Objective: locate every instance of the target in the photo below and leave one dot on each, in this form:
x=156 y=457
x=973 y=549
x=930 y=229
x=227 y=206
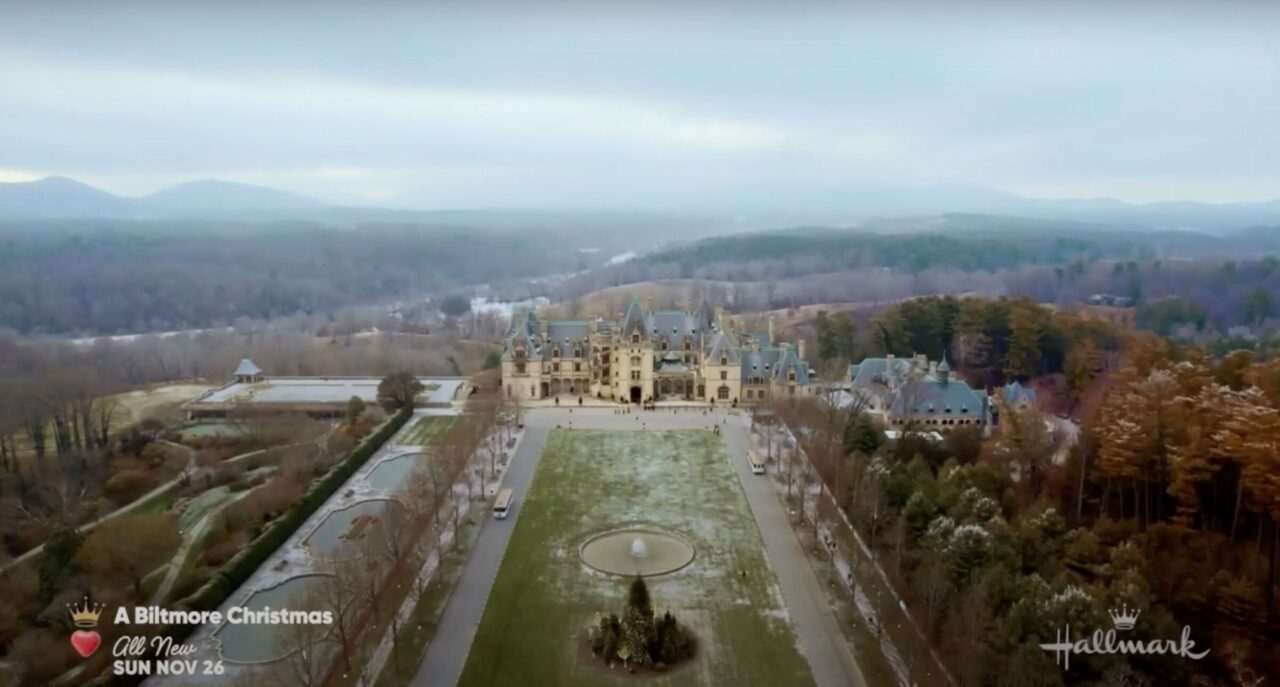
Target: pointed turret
x=634 y=322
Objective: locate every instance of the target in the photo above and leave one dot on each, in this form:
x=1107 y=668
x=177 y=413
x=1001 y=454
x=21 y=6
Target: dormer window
x=724 y=359
x=555 y=352
x=687 y=346
x=577 y=352
x=635 y=338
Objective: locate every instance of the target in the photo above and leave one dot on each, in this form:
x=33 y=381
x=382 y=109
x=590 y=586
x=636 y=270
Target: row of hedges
x=237 y=571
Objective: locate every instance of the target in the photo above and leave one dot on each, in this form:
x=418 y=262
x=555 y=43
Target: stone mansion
x=650 y=355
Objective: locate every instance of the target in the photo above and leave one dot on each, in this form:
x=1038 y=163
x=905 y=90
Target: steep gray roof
x=675 y=326
x=1014 y=393
x=247 y=368
x=875 y=372
x=721 y=344
x=524 y=329
x=565 y=334
x=634 y=321
x=930 y=397
x=759 y=363
x=788 y=362
x=704 y=315
x=559 y=331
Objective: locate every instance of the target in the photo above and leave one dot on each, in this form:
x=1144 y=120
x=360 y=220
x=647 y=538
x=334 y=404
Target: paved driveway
x=821 y=640
x=447 y=653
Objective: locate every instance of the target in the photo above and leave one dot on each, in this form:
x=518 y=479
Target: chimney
x=686 y=303
x=933 y=367
x=648 y=303
x=800 y=349
x=771 y=330
x=719 y=313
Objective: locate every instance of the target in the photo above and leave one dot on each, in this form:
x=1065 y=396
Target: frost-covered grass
x=588 y=481
x=427 y=430
x=200 y=505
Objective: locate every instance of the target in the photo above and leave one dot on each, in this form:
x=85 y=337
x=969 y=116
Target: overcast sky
x=646 y=105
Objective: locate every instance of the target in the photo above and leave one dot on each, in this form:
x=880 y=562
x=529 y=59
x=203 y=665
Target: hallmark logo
x=1107 y=642
x=85 y=639
x=1125 y=619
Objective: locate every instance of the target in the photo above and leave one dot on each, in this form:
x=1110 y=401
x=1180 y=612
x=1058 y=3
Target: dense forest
x=127 y=277
x=788 y=269
x=1166 y=504
x=973 y=250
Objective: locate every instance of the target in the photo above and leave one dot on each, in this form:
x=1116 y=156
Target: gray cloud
x=646 y=105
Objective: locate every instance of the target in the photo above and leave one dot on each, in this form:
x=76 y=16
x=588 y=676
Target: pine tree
x=1083 y=361
x=638 y=597
x=1027 y=331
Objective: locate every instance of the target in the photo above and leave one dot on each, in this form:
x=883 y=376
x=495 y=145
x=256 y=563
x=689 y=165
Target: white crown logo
x=1124 y=618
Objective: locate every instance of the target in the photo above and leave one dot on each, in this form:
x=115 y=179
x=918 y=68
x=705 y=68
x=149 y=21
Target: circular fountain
x=630 y=552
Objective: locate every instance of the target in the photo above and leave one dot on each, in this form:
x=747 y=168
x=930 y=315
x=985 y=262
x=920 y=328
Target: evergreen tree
x=355 y=408
x=56 y=561
x=1026 y=332
x=638 y=597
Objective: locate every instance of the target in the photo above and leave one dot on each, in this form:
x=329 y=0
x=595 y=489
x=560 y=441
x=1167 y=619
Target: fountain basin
x=630 y=552
x=260 y=643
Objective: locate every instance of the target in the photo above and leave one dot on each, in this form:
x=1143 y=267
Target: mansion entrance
x=679 y=387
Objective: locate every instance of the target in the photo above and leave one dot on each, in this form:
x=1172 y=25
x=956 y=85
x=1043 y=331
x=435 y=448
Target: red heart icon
x=85 y=643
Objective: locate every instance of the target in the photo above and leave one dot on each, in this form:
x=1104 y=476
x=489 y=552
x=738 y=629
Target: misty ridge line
x=63 y=198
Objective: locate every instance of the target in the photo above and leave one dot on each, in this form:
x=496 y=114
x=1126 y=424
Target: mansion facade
x=918 y=393
x=650 y=355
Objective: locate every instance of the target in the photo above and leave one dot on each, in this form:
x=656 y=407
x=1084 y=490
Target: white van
x=757 y=465
x=502 y=504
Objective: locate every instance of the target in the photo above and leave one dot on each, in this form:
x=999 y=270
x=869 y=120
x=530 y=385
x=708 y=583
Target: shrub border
x=237 y=571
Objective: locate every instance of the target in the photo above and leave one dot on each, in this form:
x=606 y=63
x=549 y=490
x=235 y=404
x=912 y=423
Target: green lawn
x=428 y=430
x=532 y=632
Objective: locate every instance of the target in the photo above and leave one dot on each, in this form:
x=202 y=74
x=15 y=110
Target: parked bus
x=502 y=504
x=757 y=465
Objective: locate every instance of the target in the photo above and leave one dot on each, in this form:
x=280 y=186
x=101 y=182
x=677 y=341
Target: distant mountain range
x=880 y=209
x=62 y=198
